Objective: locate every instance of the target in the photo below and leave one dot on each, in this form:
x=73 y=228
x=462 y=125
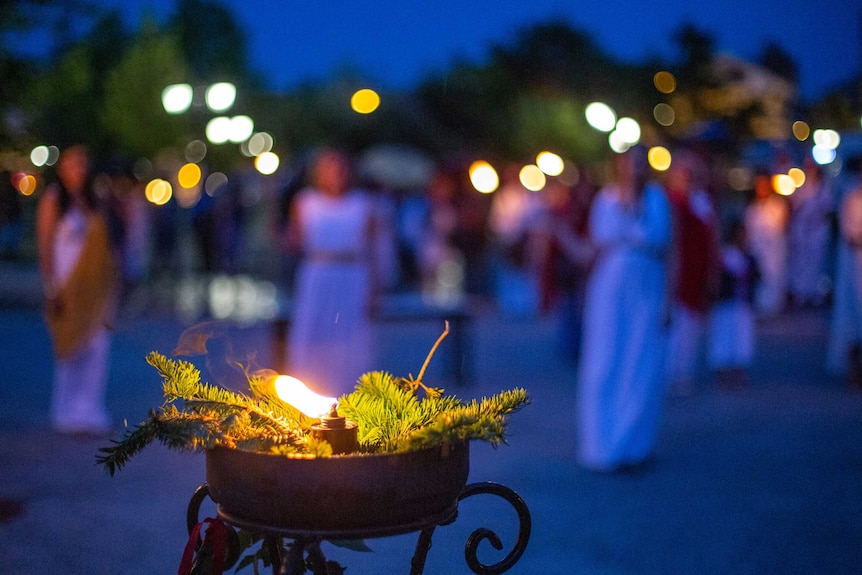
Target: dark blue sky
x=398 y=42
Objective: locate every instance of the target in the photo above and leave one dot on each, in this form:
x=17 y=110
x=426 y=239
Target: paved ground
x=763 y=480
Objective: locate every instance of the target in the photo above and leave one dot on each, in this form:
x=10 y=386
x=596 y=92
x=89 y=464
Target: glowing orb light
x=218 y=130
x=629 y=130
x=365 y=101
x=241 y=129
x=220 y=96
x=600 y=116
x=532 y=177
x=158 y=192
x=484 y=177
x=828 y=139
x=266 y=163
x=797 y=175
x=659 y=158
x=783 y=184
x=664 y=82
x=177 y=98
x=39 y=156
x=189 y=175
x=617 y=142
x=550 y=163
x=801 y=130
x=823 y=155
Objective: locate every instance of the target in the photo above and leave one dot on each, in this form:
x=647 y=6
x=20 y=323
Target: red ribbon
x=215 y=538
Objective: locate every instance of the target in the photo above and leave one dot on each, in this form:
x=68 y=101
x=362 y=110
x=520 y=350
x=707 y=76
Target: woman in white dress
x=329 y=346
x=79 y=273
x=766 y=221
x=621 y=377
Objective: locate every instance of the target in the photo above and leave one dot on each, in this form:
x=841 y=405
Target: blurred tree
x=554 y=122
x=132 y=113
x=697 y=50
x=532 y=93
x=62 y=104
x=211 y=40
x=776 y=59
x=18 y=19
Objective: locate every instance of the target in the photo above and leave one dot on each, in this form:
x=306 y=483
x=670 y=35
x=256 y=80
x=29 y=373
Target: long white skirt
x=731 y=335
x=78 y=400
x=621 y=377
x=329 y=346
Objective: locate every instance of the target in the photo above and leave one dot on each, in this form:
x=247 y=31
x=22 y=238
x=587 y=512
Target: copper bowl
x=355 y=494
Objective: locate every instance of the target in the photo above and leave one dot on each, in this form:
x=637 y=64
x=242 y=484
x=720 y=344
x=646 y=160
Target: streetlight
x=177 y=98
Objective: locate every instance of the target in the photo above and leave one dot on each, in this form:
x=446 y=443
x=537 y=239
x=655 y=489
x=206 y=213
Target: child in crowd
x=732 y=323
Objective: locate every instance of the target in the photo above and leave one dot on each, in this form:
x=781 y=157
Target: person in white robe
x=621 y=377
x=330 y=341
x=809 y=233
x=844 y=353
x=732 y=331
x=766 y=220
x=79 y=273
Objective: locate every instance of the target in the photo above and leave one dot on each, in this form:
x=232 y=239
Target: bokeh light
x=218 y=130
x=195 y=151
x=158 y=192
x=828 y=139
x=664 y=82
x=259 y=143
x=797 y=175
x=365 y=101
x=550 y=163
x=266 y=163
x=177 y=98
x=484 y=177
x=659 y=158
x=823 y=155
x=220 y=96
x=189 y=175
x=801 y=130
x=783 y=184
x=214 y=183
x=241 y=129
x=617 y=142
x=600 y=116
x=629 y=130
x=664 y=114
x=53 y=155
x=39 y=156
x=532 y=177
x=25 y=184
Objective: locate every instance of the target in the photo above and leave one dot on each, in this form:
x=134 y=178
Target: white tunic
x=330 y=339
x=78 y=399
x=765 y=225
x=621 y=375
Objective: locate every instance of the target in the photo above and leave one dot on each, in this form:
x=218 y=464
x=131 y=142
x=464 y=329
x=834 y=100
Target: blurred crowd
x=645 y=271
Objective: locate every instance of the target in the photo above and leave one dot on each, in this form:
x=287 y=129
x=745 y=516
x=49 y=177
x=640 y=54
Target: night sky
x=395 y=43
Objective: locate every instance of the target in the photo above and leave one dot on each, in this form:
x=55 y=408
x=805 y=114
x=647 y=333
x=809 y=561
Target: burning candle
x=334 y=429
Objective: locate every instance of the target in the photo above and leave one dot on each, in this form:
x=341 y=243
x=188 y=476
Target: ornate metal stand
x=304 y=554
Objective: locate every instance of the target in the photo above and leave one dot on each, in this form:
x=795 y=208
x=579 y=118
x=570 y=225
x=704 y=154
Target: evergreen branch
x=173 y=428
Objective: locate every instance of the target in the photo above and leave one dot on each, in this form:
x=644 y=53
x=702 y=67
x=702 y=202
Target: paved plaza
x=762 y=480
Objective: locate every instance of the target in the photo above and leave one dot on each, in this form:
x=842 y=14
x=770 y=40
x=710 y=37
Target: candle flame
x=293 y=391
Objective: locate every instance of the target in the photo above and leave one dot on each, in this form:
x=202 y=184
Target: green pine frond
x=482 y=420
x=389 y=415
